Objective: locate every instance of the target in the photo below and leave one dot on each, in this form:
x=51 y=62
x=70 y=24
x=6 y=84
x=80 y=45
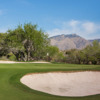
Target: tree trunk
x=28 y=55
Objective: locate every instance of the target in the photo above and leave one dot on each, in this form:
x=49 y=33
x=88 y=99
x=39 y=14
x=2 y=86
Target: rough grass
x=12 y=89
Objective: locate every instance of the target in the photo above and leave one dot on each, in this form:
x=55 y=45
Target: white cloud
x=74 y=23
x=3 y=30
x=82 y=28
x=90 y=27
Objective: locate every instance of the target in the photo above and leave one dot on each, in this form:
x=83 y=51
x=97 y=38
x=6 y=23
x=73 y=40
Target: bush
x=11 y=56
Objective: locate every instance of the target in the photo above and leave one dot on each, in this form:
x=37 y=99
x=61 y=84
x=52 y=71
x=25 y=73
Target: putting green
x=12 y=89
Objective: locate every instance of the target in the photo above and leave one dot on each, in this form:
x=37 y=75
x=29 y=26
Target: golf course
x=12 y=89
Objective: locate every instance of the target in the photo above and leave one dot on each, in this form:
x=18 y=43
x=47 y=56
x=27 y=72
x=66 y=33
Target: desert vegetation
x=28 y=43
x=88 y=55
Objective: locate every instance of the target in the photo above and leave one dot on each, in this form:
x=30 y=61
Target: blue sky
x=54 y=16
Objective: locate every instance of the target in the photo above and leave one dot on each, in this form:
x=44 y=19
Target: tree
x=52 y=52
x=26 y=42
x=35 y=42
x=14 y=41
x=71 y=56
x=3 y=48
x=95 y=52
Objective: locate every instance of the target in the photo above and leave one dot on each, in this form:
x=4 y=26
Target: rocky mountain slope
x=72 y=41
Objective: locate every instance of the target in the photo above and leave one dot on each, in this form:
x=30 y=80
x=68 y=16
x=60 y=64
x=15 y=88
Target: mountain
x=94 y=40
x=71 y=41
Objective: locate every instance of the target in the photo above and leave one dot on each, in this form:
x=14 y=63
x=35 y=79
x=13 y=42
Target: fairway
x=12 y=89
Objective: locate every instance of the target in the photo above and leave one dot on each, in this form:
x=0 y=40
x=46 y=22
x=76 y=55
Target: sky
x=55 y=17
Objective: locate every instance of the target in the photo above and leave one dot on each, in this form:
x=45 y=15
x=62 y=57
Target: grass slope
x=12 y=89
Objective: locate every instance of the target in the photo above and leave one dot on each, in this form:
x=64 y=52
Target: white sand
x=7 y=62
x=12 y=62
x=64 y=84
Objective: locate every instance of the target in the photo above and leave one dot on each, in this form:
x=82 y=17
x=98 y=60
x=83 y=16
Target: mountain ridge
x=70 y=41
x=94 y=40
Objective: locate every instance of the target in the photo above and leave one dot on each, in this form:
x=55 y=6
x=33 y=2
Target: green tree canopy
x=27 y=42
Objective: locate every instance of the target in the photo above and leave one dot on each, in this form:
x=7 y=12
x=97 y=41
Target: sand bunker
x=13 y=62
x=65 y=84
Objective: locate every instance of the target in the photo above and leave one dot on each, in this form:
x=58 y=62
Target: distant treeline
x=27 y=43
x=88 y=55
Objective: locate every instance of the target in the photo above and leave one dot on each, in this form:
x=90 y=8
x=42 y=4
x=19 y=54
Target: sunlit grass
x=12 y=89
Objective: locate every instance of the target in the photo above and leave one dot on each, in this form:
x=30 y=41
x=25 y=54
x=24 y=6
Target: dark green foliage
x=88 y=55
x=25 y=42
x=11 y=57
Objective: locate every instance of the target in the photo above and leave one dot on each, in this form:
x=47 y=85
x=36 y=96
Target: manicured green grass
x=12 y=89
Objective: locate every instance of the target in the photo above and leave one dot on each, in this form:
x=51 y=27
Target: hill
x=71 y=41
